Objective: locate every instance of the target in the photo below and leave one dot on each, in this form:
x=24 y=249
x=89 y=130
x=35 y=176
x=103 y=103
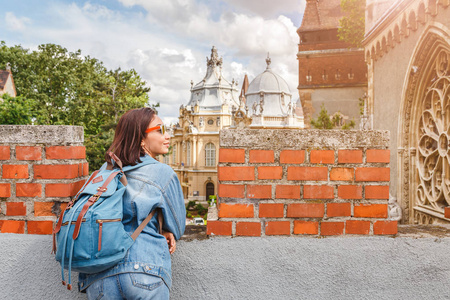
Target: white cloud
x=269 y=8
x=16 y=24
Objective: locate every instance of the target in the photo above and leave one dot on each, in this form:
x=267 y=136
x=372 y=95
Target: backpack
x=89 y=236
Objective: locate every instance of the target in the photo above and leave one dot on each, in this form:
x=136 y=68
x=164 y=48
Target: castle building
x=407 y=46
x=331 y=72
x=195 y=139
x=215 y=105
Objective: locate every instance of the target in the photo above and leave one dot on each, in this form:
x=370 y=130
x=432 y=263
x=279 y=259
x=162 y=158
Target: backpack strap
x=145 y=222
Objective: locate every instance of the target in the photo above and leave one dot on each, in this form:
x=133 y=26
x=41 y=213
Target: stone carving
x=394 y=209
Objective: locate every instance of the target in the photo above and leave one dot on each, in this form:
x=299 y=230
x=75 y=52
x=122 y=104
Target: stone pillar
x=41 y=168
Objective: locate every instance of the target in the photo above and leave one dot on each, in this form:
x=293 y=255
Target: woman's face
x=155 y=142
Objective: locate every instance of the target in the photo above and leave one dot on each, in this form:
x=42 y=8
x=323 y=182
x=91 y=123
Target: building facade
x=331 y=72
x=195 y=138
x=7 y=83
x=407 y=46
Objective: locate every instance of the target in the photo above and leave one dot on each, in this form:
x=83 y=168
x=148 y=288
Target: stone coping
x=41 y=134
x=301 y=139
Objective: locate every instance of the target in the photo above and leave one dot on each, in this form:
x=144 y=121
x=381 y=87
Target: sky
x=165 y=41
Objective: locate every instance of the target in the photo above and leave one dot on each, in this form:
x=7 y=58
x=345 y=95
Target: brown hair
x=130 y=132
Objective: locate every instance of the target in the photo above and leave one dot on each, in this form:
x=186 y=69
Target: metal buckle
x=95 y=197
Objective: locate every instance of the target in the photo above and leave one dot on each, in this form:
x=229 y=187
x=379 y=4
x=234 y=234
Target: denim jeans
x=128 y=286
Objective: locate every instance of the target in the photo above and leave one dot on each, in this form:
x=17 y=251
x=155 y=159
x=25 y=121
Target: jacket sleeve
x=173 y=208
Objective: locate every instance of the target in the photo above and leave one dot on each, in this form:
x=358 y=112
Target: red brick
x=65 y=152
x=447 y=212
x=261 y=156
x=57 y=171
x=16 y=209
x=5 y=190
x=236 y=210
x=259 y=191
x=40 y=227
x=236 y=173
x=231 y=191
x=331 y=228
x=322 y=157
x=305 y=210
x=339 y=209
x=271 y=210
x=372 y=174
x=43 y=209
x=307 y=173
x=28 y=153
x=15 y=171
x=278 y=228
x=63 y=189
x=287 y=192
x=5 y=153
x=28 y=190
x=385 y=227
x=371 y=211
x=292 y=156
x=248 y=228
x=85 y=169
x=350 y=192
x=318 y=192
x=342 y=174
x=275 y=172
x=231 y=155
x=357 y=227
x=12 y=226
x=350 y=156
x=306 y=227
x=377 y=156
x=377 y=192
x=218 y=228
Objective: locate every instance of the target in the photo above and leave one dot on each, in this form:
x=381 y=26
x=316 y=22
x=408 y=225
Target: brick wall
x=41 y=167
x=303 y=182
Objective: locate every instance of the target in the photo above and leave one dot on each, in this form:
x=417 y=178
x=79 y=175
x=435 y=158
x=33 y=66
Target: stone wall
x=303 y=182
x=41 y=167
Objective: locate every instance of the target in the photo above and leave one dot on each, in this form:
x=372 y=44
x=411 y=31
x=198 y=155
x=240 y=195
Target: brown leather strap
x=145 y=222
x=116 y=160
x=82 y=189
x=91 y=201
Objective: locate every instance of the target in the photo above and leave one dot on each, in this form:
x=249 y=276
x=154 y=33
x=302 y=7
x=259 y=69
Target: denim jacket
x=151 y=186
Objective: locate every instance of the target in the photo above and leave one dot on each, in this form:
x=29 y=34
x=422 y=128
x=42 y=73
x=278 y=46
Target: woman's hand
x=171 y=242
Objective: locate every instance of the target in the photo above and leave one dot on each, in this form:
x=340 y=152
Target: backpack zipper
x=100 y=224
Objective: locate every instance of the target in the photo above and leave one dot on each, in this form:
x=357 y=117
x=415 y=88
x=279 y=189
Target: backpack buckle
x=95 y=197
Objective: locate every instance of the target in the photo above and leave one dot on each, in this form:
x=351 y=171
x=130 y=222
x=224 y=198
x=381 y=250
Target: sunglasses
x=162 y=129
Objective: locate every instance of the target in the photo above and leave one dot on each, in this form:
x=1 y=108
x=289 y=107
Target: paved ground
x=413 y=265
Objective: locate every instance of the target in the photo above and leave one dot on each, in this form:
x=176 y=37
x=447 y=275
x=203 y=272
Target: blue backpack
x=89 y=236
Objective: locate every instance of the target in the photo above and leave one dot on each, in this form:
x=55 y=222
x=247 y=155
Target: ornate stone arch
x=424 y=130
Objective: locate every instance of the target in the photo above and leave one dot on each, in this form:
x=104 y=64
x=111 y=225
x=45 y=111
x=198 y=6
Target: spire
x=268 y=61
x=214 y=64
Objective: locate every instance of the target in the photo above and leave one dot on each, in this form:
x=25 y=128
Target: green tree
x=352 y=25
x=15 y=111
x=67 y=88
x=325 y=121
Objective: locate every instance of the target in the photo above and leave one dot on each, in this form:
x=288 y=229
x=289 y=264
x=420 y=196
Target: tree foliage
x=66 y=88
x=15 y=111
x=352 y=25
x=325 y=121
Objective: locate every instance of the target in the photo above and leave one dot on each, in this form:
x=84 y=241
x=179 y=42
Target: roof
x=4 y=74
x=214 y=90
x=321 y=15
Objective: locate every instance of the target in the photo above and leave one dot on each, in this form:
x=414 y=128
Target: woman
x=145 y=272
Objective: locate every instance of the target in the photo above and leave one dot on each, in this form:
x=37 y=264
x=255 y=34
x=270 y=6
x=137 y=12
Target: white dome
x=271 y=90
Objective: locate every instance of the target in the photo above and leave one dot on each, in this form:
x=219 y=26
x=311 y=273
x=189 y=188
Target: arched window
x=188 y=154
x=174 y=154
x=210 y=155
